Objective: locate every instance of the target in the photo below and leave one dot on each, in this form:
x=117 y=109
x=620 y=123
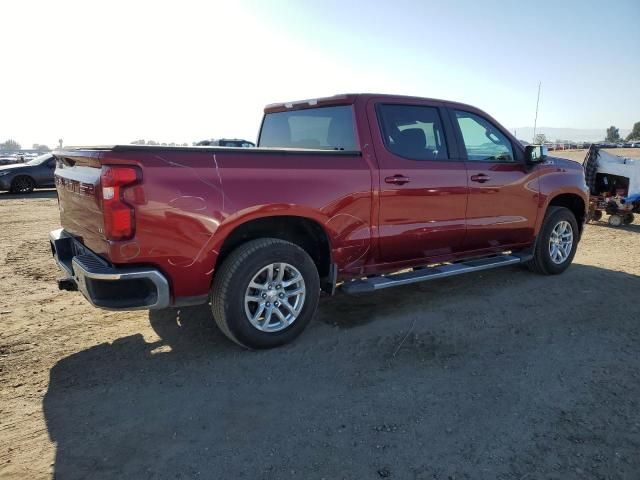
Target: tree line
x=13 y=146
x=613 y=134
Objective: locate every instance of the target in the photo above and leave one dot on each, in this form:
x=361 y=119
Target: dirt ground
x=497 y=375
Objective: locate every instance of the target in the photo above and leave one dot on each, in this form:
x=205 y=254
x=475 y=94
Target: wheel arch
x=572 y=201
x=308 y=233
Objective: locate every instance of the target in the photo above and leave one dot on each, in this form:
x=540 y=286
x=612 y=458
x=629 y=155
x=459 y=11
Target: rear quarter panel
x=178 y=208
x=333 y=190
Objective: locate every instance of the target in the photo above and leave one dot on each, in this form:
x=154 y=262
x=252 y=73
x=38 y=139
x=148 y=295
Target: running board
x=431 y=273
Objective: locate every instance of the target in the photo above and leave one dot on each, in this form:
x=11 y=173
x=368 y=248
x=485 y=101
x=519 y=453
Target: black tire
x=590 y=166
x=596 y=215
x=541 y=262
x=231 y=281
x=22 y=184
x=627 y=219
x=615 y=220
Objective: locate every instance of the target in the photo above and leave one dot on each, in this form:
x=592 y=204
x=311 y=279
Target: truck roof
x=350 y=98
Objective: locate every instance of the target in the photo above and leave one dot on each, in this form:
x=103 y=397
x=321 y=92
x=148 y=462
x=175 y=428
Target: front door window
x=483 y=141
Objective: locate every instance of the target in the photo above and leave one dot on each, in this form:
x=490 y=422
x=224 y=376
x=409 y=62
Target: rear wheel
x=627 y=219
x=557 y=242
x=22 y=184
x=265 y=293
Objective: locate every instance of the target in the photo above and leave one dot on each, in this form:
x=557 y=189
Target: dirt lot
x=498 y=375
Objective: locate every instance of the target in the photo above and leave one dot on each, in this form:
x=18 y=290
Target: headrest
x=412 y=141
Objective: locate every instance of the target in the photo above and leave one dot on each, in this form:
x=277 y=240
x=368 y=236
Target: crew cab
x=359 y=192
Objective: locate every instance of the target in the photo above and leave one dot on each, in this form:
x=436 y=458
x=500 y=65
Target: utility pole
x=535 y=122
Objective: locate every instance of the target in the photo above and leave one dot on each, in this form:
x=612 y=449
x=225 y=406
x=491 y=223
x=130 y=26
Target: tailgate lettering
x=75 y=186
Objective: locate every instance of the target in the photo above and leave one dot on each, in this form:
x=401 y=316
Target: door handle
x=480 y=178
x=397 y=179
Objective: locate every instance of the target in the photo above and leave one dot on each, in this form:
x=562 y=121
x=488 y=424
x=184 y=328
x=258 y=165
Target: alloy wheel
x=275 y=297
x=561 y=242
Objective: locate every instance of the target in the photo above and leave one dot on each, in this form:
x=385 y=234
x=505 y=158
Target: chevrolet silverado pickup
x=359 y=192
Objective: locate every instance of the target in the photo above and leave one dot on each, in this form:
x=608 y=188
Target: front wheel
x=265 y=293
x=557 y=242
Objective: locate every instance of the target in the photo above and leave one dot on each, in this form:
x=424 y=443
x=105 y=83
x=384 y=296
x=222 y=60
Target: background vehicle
x=227 y=142
x=614 y=182
x=24 y=177
x=7 y=160
x=347 y=191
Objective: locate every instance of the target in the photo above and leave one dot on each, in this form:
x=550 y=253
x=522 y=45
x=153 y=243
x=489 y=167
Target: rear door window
x=412 y=131
x=330 y=128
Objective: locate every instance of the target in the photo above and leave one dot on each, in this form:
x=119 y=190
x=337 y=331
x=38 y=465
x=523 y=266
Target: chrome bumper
x=105 y=286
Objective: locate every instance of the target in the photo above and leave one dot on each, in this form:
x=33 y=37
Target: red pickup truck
x=361 y=192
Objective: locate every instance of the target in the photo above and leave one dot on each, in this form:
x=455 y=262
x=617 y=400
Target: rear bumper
x=106 y=286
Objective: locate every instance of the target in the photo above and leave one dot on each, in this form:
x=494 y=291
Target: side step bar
x=431 y=273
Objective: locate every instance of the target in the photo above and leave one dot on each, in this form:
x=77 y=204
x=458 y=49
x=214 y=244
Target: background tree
x=540 y=139
x=635 y=132
x=613 y=134
x=10 y=145
x=40 y=148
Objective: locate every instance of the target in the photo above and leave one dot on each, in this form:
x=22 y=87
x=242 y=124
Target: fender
x=558 y=182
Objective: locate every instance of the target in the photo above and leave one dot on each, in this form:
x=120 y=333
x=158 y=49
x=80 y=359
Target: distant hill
x=572 y=134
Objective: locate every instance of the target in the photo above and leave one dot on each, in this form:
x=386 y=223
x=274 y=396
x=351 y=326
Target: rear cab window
x=325 y=128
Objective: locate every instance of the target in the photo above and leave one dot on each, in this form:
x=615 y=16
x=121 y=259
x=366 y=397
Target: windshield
x=329 y=128
x=39 y=160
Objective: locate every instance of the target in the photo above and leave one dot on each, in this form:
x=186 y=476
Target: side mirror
x=535 y=153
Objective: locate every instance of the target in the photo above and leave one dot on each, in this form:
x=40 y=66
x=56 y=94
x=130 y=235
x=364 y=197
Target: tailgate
x=77 y=179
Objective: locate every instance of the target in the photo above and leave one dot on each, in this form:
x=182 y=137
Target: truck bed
x=190 y=197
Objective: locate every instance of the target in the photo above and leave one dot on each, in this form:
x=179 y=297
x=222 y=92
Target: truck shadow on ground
x=503 y=374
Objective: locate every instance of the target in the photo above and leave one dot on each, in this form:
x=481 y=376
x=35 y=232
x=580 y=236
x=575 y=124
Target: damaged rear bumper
x=106 y=286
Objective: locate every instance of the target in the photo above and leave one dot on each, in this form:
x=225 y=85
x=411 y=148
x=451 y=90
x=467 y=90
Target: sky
x=182 y=71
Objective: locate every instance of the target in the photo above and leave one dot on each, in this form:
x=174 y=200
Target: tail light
x=119 y=219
